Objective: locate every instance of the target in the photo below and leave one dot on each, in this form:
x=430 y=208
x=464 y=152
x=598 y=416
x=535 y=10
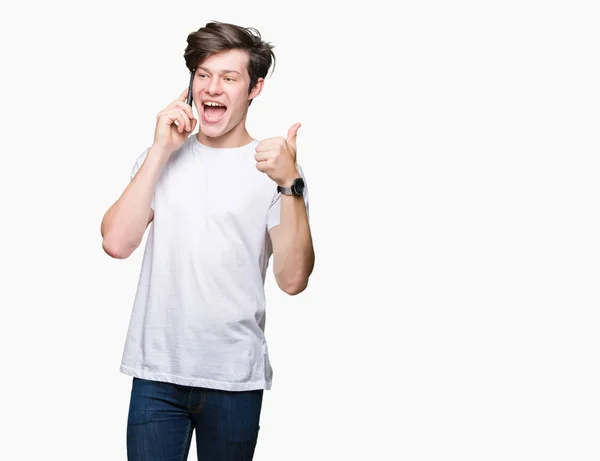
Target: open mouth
x=213 y=111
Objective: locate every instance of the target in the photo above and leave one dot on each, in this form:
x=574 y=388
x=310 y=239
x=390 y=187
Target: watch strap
x=285 y=190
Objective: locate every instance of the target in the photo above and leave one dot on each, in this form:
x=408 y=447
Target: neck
x=237 y=137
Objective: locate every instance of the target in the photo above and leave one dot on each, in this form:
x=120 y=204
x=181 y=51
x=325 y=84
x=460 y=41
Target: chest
x=215 y=192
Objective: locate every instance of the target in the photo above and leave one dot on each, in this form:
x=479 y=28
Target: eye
x=201 y=75
x=229 y=79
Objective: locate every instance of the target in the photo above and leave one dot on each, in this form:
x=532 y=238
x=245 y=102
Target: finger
x=186 y=108
x=262 y=156
x=179 y=123
x=183 y=96
x=169 y=118
x=175 y=107
x=181 y=105
x=267 y=144
x=188 y=118
x=178 y=118
x=184 y=120
x=273 y=139
x=292 y=133
x=261 y=166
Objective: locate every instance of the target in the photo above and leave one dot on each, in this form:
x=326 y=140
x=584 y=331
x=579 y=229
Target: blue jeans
x=162 y=417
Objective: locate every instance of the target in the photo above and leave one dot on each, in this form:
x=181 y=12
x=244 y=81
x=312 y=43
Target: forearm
x=296 y=257
x=125 y=222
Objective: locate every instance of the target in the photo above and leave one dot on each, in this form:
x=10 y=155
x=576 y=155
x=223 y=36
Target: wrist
x=296 y=188
x=289 y=179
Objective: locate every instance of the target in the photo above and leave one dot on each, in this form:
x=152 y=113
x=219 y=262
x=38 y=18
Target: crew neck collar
x=205 y=148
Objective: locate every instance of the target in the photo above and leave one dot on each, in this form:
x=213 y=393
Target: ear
x=257 y=88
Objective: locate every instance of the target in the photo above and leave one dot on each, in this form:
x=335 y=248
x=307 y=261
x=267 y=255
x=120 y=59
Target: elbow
x=115 y=250
x=294 y=282
x=294 y=287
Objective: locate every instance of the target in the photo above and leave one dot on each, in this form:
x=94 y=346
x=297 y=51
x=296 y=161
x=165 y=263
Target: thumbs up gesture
x=276 y=157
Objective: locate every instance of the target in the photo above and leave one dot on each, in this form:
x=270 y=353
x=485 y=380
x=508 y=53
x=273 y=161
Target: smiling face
x=221 y=96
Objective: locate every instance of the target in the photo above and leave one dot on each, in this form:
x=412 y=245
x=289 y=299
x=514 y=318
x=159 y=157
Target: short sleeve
x=137 y=165
x=138 y=162
x=274 y=215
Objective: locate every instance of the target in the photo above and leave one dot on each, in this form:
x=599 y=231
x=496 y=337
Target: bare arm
x=125 y=222
x=293 y=252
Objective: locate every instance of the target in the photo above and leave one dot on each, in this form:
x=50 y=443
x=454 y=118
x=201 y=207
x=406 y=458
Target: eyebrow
x=224 y=71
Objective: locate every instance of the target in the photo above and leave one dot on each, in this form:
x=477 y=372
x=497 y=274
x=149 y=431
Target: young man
x=220 y=203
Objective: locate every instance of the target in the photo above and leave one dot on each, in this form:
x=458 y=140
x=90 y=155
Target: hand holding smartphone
x=175 y=122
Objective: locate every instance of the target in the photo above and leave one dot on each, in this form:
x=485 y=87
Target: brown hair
x=218 y=36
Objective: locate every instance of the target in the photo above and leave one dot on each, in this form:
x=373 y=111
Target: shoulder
x=182 y=152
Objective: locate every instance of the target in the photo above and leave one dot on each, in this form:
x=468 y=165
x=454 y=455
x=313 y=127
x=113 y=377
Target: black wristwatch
x=296 y=189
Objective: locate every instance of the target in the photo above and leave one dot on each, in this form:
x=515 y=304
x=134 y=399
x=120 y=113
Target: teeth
x=213 y=104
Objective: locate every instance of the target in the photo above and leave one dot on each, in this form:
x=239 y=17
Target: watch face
x=298 y=186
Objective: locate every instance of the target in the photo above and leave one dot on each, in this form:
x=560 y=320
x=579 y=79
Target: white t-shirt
x=198 y=317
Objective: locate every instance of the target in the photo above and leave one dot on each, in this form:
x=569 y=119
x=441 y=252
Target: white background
x=451 y=150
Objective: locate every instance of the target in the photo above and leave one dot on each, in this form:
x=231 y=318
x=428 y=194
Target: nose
x=214 y=86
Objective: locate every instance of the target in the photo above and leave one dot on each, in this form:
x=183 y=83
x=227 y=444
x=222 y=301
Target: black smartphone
x=189 y=96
